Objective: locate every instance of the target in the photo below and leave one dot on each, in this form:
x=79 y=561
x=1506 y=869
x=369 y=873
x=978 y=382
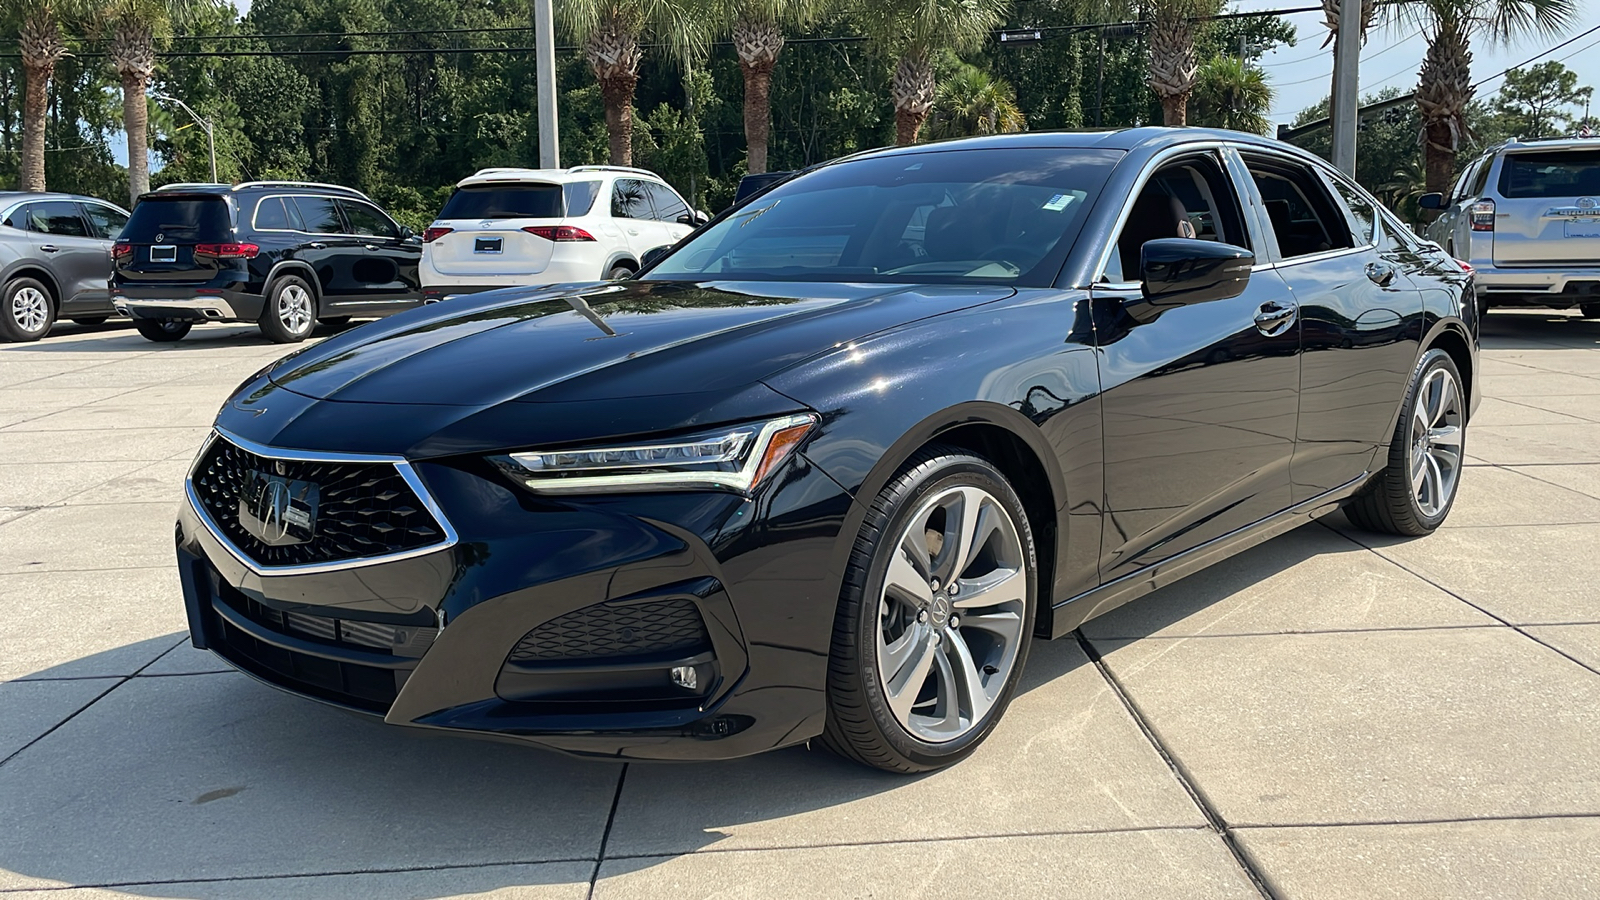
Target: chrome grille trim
x=401 y=464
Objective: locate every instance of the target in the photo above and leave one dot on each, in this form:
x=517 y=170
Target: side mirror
x=1182 y=271
x=653 y=254
x=1434 y=200
x=406 y=233
x=694 y=218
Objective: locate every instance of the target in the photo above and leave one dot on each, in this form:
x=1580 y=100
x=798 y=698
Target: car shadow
x=175 y=785
x=119 y=335
x=1538 y=329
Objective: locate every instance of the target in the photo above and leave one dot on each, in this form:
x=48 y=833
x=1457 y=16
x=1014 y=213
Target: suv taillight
x=227 y=251
x=1482 y=215
x=121 y=251
x=559 y=232
x=433 y=233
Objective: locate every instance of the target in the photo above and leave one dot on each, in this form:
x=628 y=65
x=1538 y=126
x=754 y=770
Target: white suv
x=510 y=227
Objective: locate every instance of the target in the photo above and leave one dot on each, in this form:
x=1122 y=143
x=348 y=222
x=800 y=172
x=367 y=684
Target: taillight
x=227 y=251
x=433 y=233
x=559 y=232
x=121 y=250
x=1482 y=215
x=1465 y=266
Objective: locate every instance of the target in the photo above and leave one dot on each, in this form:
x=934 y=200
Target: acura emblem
x=279 y=511
x=274 y=507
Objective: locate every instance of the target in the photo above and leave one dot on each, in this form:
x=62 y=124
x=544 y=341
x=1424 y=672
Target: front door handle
x=372 y=246
x=50 y=248
x=1275 y=318
x=1380 y=274
x=316 y=245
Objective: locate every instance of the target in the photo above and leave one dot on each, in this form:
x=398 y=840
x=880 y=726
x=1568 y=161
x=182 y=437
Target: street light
x=205 y=125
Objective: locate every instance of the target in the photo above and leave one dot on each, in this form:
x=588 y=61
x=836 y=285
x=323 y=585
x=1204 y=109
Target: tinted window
x=997 y=215
x=365 y=219
x=272 y=213
x=319 y=215
x=1362 y=209
x=1188 y=198
x=105 y=223
x=669 y=206
x=504 y=201
x=1302 y=215
x=57 y=217
x=1558 y=173
x=1480 y=179
x=165 y=220
x=630 y=200
x=580 y=196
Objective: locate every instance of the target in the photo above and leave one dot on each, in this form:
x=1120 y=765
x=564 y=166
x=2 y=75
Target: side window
x=1302 y=215
x=365 y=219
x=271 y=213
x=57 y=217
x=579 y=196
x=1460 y=189
x=669 y=206
x=1361 y=209
x=319 y=215
x=1191 y=197
x=105 y=222
x=1480 y=179
x=629 y=200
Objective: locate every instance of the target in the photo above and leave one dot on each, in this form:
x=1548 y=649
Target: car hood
x=605 y=342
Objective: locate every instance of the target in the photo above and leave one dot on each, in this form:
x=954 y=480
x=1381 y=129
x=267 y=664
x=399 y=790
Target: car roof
x=1578 y=143
x=312 y=187
x=9 y=197
x=514 y=174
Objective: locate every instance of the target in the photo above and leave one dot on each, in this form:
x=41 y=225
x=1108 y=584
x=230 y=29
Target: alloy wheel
x=30 y=308
x=951 y=613
x=1435 y=457
x=294 y=308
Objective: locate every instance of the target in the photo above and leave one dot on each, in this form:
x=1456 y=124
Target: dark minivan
x=283 y=254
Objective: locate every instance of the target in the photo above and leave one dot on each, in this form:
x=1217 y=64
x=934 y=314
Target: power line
x=1543 y=53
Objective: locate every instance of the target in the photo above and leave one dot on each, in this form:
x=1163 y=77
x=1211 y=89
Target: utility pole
x=205 y=124
x=544 y=64
x=1343 y=105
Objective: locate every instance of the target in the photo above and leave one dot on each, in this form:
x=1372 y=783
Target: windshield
x=994 y=215
x=1564 y=173
x=160 y=219
x=525 y=200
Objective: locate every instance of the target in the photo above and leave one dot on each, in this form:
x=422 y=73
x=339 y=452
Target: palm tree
x=758 y=27
x=1229 y=93
x=1330 y=18
x=1444 y=87
x=1172 y=61
x=41 y=46
x=970 y=102
x=914 y=30
x=611 y=31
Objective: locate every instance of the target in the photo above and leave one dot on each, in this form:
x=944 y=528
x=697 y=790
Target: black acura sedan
x=830 y=465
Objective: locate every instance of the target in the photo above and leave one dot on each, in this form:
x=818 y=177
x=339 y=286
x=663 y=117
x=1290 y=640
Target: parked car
x=518 y=227
x=283 y=254
x=55 y=256
x=1526 y=217
x=807 y=477
x=750 y=185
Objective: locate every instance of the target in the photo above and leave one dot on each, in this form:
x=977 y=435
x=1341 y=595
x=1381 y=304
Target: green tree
x=611 y=32
x=1173 y=66
x=972 y=102
x=42 y=45
x=1539 y=102
x=1229 y=93
x=914 y=30
x=757 y=28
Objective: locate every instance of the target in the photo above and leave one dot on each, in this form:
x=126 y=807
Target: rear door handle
x=1275 y=318
x=50 y=248
x=372 y=246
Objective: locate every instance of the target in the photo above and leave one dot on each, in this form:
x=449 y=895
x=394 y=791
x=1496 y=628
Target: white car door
x=669 y=209
x=633 y=215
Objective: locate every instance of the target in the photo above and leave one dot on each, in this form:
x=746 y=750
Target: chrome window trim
x=1145 y=173
x=324 y=234
x=401 y=464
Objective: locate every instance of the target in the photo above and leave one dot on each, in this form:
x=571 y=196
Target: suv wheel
x=29 y=312
x=1590 y=310
x=291 y=311
x=163 y=331
x=619 y=272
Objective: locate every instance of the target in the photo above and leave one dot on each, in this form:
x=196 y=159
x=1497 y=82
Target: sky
x=1300 y=75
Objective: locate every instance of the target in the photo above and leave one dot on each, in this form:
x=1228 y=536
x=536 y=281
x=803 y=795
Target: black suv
x=284 y=254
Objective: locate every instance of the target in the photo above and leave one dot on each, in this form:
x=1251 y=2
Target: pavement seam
x=894 y=842
x=1214 y=819
x=1297 y=631
x=224 y=879
x=1454 y=820
x=605 y=836
x=1524 y=405
x=120 y=681
x=1519 y=629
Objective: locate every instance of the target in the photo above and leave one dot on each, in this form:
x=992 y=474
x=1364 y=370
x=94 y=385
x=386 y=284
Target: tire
x=290 y=312
x=91 y=320
x=1394 y=502
x=27 y=311
x=886 y=610
x=335 y=320
x=163 y=331
x=1590 y=310
x=619 y=272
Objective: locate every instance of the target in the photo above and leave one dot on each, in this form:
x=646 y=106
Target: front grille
x=361 y=509
x=397 y=640
x=611 y=630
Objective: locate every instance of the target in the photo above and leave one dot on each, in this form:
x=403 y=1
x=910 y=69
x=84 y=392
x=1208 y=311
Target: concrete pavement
x=1332 y=714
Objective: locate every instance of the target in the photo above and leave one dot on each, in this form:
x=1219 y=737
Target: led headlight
x=734 y=457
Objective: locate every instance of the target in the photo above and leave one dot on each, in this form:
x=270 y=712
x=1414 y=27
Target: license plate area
x=488 y=245
x=1581 y=228
x=164 y=253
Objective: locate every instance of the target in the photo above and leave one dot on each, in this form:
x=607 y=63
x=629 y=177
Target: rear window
x=520 y=201
x=1557 y=173
x=178 y=219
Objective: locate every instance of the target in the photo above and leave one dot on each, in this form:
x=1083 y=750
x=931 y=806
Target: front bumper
x=755 y=572
x=1554 y=287
x=186 y=305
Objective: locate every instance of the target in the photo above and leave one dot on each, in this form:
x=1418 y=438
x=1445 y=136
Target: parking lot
x=1332 y=714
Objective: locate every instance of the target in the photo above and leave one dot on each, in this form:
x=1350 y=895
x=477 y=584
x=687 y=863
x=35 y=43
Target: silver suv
x=55 y=259
x=1526 y=216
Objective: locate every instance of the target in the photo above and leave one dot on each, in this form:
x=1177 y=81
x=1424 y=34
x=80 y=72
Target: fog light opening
x=686 y=677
